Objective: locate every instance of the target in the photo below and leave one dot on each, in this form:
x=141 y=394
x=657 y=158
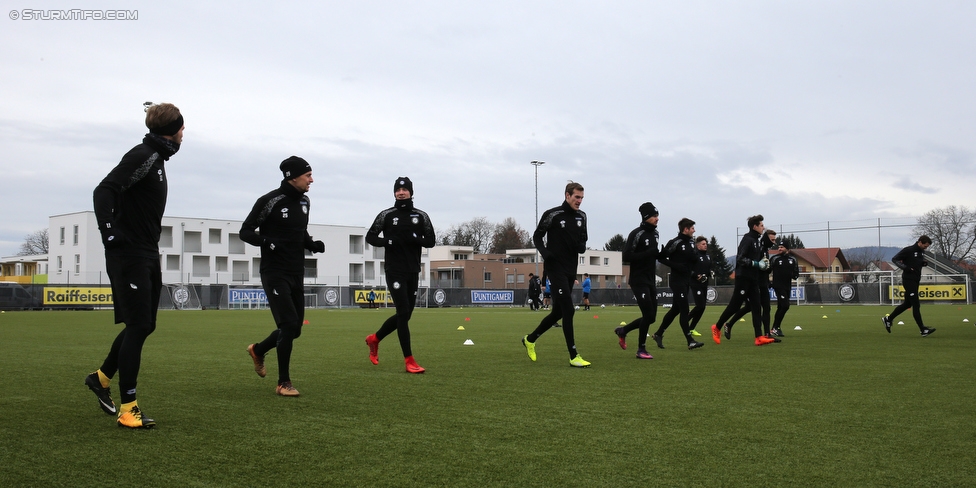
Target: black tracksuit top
x=703 y=266
x=785 y=270
x=560 y=238
x=641 y=252
x=680 y=256
x=132 y=199
x=406 y=230
x=910 y=260
x=749 y=250
x=280 y=218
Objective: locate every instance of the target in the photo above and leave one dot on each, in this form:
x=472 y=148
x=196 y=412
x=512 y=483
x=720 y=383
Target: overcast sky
x=813 y=113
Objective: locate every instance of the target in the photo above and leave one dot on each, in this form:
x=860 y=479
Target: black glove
x=112 y=237
x=318 y=246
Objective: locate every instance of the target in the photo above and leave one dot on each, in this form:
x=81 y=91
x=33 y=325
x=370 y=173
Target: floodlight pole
x=537 y=164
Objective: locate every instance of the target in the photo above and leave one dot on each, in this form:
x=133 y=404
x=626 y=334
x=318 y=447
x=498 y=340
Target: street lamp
x=537 y=164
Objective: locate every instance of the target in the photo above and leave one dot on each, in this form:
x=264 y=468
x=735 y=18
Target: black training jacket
x=560 y=238
x=278 y=224
x=641 y=252
x=680 y=256
x=130 y=201
x=785 y=270
x=910 y=260
x=406 y=230
x=749 y=250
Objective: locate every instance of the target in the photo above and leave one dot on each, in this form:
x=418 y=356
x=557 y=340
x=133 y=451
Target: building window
x=235 y=245
x=311 y=268
x=215 y=236
x=192 y=241
x=355 y=272
x=582 y=260
x=173 y=262
x=356 y=244
x=77 y=264
x=220 y=264
x=166 y=236
x=60 y=264
x=74 y=237
x=606 y=261
x=62 y=243
x=461 y=257
x=201 y=266
x=487 y=275
x=240 y=271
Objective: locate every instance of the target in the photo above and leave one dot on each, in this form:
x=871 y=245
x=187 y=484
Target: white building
x=209 y=251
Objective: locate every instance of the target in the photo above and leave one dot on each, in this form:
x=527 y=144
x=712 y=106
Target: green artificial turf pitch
x=838 y=403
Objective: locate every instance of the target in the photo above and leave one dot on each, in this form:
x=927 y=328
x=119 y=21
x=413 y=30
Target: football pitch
x=838 y=403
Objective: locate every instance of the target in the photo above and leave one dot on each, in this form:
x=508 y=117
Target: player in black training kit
x=750 y=263
x=911 y=260
x=641 y=252
x=766 y=242
x=699 y=283
x=785 y=270
x=129 y=205
x=680 y=256
x=405 y=230
x=278 y=224
x=560 y=238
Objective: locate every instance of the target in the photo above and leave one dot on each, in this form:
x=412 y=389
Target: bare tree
x=34 y=243
x=508 y=235
x=476 y=233
x=952 y=229
x=861 y=257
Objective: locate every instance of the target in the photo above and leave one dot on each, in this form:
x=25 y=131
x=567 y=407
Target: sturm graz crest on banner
x=180 y=296
x=847 y=293
x=711 y=295
x=331 y=296
x=440 y=298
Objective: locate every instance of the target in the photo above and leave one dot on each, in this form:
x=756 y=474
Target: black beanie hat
x=293 y=167
x=647 y=210
x=403 y=182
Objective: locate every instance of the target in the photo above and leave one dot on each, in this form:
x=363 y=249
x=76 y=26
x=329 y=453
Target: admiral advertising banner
x=359 y=297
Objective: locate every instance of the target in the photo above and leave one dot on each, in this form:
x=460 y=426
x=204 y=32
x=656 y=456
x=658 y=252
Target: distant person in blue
x=911 y=260
x=586 y=291
x=371 y=298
